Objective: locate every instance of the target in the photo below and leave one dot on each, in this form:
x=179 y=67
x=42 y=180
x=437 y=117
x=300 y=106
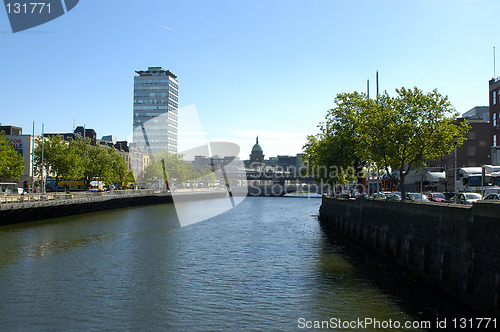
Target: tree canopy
x=11 y=162
x=170 y=165
x=398 y=133
x=339 y=152
x=59 y=157
x=78 y=159
x=412 y=128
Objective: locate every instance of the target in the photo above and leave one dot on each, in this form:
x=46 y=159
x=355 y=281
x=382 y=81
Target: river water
x=264 y=265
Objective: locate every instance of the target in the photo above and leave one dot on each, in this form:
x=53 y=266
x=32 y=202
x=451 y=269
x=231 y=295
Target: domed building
x=257 y=155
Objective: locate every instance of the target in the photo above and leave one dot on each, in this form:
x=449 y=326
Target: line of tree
x=77 y=159
x=11 y=162
x=172 y=169
x=388 y=133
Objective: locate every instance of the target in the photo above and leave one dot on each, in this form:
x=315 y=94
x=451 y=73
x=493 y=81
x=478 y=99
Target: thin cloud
x=164 y=27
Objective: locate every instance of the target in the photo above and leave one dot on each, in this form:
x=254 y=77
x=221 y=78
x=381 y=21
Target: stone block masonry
x=454 y=247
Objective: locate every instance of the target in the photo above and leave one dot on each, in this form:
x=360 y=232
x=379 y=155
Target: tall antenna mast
x=494 y=69
x=368 y=88
x=377 y=83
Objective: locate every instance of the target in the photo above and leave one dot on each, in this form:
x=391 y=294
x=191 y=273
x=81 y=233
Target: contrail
x=164 y=27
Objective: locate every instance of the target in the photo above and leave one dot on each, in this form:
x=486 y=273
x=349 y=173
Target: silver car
x=492 y=197
x=417 y=197
x=467 y=198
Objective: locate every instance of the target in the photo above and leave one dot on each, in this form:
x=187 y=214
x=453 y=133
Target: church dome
x=257 y=147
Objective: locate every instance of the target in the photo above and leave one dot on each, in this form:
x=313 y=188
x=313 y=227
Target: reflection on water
x=260 y=266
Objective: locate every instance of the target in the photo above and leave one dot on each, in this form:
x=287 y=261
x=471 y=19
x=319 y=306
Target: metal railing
x=9 y=202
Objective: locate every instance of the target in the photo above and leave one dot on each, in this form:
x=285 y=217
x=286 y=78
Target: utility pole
x=33 y=160
x=42 y=183
x=455 y=141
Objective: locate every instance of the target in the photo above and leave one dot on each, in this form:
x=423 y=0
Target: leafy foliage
x=339 y=152
x=79 y=159
x=410 y=129
x=11 y=163
x=400 y=132
x=176 y=170
x=59 y=157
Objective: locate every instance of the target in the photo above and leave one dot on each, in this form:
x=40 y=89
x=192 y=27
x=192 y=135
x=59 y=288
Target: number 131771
x=28 y=8
x=485 y=323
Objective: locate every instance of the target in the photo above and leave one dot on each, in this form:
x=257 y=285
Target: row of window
x=149 y=114
x=152 y=130
x=152 y=120
x=149 y=122
x=150 y=101
x=153 y=134
x=140 y=87
x=160 y=128
x=155 y=141
x=152 y=94
x=173 y=103
x=173 y=117
x=156 y=101
x=155 y=108
x=148 y=81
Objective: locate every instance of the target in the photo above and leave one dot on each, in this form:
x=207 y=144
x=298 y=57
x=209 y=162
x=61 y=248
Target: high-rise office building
x=155 y=110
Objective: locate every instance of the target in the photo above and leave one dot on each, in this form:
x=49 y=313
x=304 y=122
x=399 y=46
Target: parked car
x=362 y=195
x=379 y=196
x=492 y=197
x=417 y=197
x=449 y=196
x=467 y=198
x=394 y=196
x=437 y=197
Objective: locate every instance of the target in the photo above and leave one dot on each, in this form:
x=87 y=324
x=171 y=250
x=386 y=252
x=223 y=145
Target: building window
x=494 y=140
x=494 y=119
x=494 y=97
x=471 y=151
x=471 y=135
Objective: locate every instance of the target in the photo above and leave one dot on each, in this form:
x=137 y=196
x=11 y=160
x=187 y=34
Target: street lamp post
x=455 y=141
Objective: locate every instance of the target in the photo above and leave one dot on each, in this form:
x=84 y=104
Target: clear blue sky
x=270 y=68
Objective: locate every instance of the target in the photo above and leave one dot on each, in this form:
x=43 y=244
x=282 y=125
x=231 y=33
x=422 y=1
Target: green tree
x=205 y=176
x=96 y=161
x=11 y=162
x=339 y=152
x=176 y=170
x=405 y=131
x=130 y=176
x=118 y=168
x=59 y=158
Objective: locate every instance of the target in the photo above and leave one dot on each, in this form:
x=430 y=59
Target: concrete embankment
x=456 y=248
x=65 y=205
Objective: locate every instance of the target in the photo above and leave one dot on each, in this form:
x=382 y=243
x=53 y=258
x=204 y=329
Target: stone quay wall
x=52 y=206
x=454 y=247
